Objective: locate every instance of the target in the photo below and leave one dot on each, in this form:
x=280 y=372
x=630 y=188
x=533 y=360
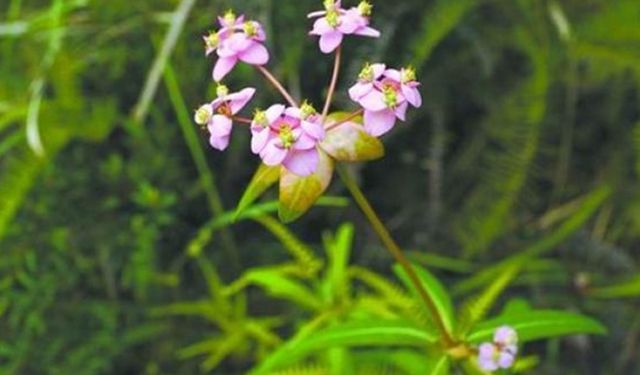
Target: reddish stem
x=332 y=85
x=348 y=118
x=274 y=81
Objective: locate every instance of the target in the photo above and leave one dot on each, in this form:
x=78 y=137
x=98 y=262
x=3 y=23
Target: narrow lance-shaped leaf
x=535 y=325
x=264 y=177
x=349 y=141
x=435 y=290
x=359 y=333
x=298 y=194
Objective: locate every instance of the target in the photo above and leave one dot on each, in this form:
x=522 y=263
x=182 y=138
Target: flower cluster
x=501 y=353
x=236 y=40
x=385 y=95
x=295 y=136
x=287 y=136
x=334 y=22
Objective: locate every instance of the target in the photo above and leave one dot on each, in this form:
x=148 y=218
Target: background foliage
x=115 y=254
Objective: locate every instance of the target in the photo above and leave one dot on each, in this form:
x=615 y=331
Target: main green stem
x=394 y=249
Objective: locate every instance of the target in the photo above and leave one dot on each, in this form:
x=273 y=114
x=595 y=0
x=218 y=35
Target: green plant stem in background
x=206 y=175
x=178 y=20
x=394 y=249
x=332 y=85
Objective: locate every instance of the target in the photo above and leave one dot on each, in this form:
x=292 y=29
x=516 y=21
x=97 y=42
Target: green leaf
x=298 y=194
x=338 y=249
x=359 y=333
x=440 y=366
x=349 y=141
x=589 y=206
x=264 y=177
x=434 y=289
x=278 y=285
x=476 y=308
x=629 y=288
x=535 y=325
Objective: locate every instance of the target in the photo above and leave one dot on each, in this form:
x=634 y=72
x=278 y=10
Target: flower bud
x=365 y=8
x=307 y=110
x=222 y=90
x=203 y=114
x=229 y=18
x=250 y=28
x=329 y=5
x=407 y=74
x=333 y=18
x=260 y=118
x=366 y=74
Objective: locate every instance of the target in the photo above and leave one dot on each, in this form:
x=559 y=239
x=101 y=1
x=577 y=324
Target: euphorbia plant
x=300 y=148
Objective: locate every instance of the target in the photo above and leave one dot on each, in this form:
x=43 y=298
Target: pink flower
x=288 y=137
x=408 y=84
x=335 y=22
x=217 y=115
x=385 y=96
x=501 y=353
x=237 y=40
x=366 y=78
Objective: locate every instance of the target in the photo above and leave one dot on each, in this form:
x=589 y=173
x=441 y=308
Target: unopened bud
x=222 y=90
x=408 y=74
x=229 y=18
x=250 y=28
x=260 y=118
x=307 y=110
x=365 y=8
x=203 y=114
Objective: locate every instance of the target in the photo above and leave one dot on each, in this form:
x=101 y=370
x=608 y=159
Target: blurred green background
x=528 y=141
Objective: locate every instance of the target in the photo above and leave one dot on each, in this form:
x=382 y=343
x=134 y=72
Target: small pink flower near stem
x=237 y=40
x=335 y=22
x=288 y=136
x=385 y=96
x=501 y=353
x=218 y=115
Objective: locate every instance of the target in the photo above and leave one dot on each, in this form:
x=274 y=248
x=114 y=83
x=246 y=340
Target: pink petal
x=220 y=126
x=505 y=360
x=368 y=31
x=239 y=99
x=219 y=143
x=302 y=163
x=239 y=42
x=360 y=89
x=259 y=139
x=216 y=103
x=317 y=13
x=256 y=54
x=330 y=41
x=401 y=111
x=412 y=95
x=273 y=155
x=274 y=112
x=380 y=122
x=313 y=129
x=294 y=112
x=378 y=70
x=304 y=142
x=321 y=27
x=393 y=74
x=373 y=101
x=223 y=67
x=348 y=24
